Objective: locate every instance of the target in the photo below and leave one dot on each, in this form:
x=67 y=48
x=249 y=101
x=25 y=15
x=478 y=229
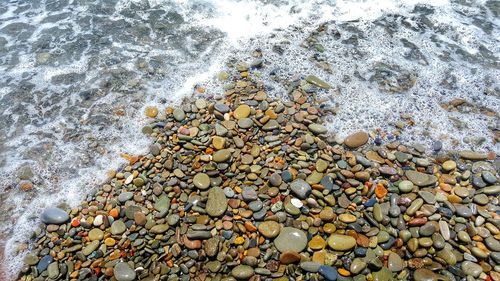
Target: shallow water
x=75 y=77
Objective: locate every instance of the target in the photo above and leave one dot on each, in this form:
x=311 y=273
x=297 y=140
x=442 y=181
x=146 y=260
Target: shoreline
x=251 y=187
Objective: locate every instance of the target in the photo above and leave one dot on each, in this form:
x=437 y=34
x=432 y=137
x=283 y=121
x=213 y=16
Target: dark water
x=75 y=77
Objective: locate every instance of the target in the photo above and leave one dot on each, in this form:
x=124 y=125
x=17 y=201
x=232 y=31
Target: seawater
x=76 y=76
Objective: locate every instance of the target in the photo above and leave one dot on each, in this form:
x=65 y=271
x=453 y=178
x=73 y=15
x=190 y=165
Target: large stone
x=123 y=272
x=317 y=128
x=242 y=272
x=291 y=239
x=269 y=229
x=420 y=179
x=201 y=181
x=356 y=140
x=222 y=155
x=340 y=242
x=300 y=188
x=54 y=216
x=216 y=203
x=118 y=227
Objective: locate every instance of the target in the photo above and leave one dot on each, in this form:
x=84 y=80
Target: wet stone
x=201 y=181
x=123 y=272
x=216 y=203
x=54 y=216
x=291 y=239
x=300 y=188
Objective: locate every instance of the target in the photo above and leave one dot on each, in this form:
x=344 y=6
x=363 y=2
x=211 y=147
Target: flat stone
x=395 y=263
x=463 y=211
x=222 y=155
x=201 y=181
x=162 y=204
x=328 y=272
x=340 y=242
x=123 y=272
x=291 y=239
x=179 y=114
x=317 y=128
x=420 y=179
x=218 y=142
x=242 y=111
x=242 y=272
x=222 y=108
x=471 y=155
x=159 y=228
x=54 y=216
x=310 y=266
x=96 y=234
x=424 y=274
x=216 y=203
x=245 y=123
x=269 y=229
x=405 y=186
x=471 y=268
x=118 y=227
x=318 y=82
x=300 y=188
x=357 y=266
x=271 y=125
x=356 y=140
x=53 y=270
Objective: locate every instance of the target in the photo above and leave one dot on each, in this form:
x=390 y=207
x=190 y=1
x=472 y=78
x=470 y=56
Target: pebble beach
x=251 y=187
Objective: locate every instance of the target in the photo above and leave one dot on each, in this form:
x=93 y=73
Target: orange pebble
x=380 y=191
x=114 y=213
x=75 y=222
x=344 y=272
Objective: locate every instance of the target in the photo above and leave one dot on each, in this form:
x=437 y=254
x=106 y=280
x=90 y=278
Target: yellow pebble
x=151 y=111
x=239 y=240
x=109 y=242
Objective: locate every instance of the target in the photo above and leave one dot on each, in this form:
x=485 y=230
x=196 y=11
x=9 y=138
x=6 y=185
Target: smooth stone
x=489 y=177
x=53 y=270
x=444 y=230
x=118 y=227
x=463 y=211
x=449 y=165
x=96 y=234
x=328 y=272
x=357 y=265
x=300 y=188
x=271 y=125
x=269 y=229
x=216 y=203
x=318 y=82
x=395 y=263
x=428 y=197
x=31 y=259
x=201 y=181
x=159 y=228
x=481 y=199
x=90 y=247
x=54 y=216
x=291 y=239
x=448 y=256
x=179 y=114
x=317 y=128
x=44 y=262
x=340 y=242
x=245 y=123
x=471 y=155
x=242 y=272
x=125 y=196
x=356 y=140
x=420 y=179
x=242 y=111
x=424 y=274
x=310 y=266
x=221 y=107
x=162 y=204
x=222 y=155
x=471 y=268
x=405 y=186
x=492 y=244
x=123 y=272
x=382 y=275
x=275 y=179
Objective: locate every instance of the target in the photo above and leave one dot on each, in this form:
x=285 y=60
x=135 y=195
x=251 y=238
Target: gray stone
x=216 y=203
x=291 y=239
x=54 y=216
x=420 y=179
x=123 y=272
x=300 y=188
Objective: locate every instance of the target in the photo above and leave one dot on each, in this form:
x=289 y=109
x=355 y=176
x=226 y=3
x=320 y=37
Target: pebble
x=291 y=239
x=328 y=272
x=242 y=272
x=216 y=203
x=300 y=188
x=269 y=229
x=201 y=181
x=222 y=155
x=395 y=263
x=420 y=179
x=123 y=272
x=356 y=140
x=340 y=242
x=54 y=216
